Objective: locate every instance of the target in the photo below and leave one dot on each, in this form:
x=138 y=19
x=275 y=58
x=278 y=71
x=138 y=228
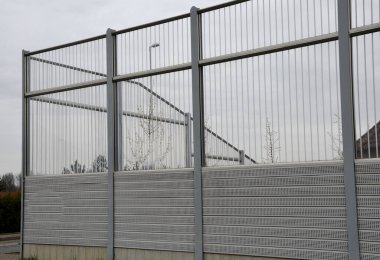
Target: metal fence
x=246 y=82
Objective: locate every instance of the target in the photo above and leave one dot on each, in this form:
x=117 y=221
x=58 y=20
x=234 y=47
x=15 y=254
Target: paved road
x=9 y=246
x=9 y=243
x=9 y=257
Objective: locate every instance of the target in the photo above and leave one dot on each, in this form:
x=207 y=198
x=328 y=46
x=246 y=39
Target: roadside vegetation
x=30 y=258
x=10 y=204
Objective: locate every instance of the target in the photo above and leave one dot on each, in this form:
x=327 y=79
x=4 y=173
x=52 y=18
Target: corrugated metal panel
x=66 y=210
x=368 y=196
x=155 y=210
x=292 y=211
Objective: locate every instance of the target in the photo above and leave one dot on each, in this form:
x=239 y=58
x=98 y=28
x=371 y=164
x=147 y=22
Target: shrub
x=10 y=211
x=30 y=258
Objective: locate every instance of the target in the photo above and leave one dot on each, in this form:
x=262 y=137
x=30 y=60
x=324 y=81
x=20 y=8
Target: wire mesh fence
x=365 y=63
x=270 y=90
x=281 y=107
x=68 y=132
x=156 y=126
x=261 y=23
x=160 y=45
x=364 y=12
x=69 y=65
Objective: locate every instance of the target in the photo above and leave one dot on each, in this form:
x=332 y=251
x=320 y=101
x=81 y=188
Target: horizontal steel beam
x=155 y=23
x=103 y=36
x=69 y=104
x=153 y=72
x=68 y=67
x=155 y=118
x=104 y=110
x=66 y=88
x=220 y=6
x=270 y=49
x=365 y=29
x=221 y=157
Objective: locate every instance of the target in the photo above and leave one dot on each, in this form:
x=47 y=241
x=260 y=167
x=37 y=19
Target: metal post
x=188 y=152
x=199 y=154
x=25 y=142
x=118 y=129
x=348 y=127
x=154 y=45
x=112 y=138
x=241 y=157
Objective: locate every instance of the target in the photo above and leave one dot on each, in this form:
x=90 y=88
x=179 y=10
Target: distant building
x=366 y=145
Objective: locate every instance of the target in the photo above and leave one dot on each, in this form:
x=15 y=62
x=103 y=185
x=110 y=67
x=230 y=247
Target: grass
x=30 y=258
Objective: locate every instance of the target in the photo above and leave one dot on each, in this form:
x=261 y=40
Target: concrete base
x=238 y=257
x=58 y=252
x=143 y=254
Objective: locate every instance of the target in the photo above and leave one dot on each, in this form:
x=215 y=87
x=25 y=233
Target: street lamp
x=154 y=45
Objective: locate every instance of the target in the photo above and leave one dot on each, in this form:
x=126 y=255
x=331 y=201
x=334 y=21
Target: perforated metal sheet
x=66 y=210
x=293 y=211
x=291 y=253
x=155 y=210
x=368 y=197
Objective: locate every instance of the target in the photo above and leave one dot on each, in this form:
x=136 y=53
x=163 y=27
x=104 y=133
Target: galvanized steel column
x=348 y=126
x=112 y=138
x=198 y=129
x=188 y=147
x=25 y=141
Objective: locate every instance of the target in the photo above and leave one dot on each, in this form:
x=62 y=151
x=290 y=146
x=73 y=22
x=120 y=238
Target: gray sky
x=37 y=24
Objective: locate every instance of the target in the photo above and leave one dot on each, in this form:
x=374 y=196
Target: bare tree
x=100 y=164
x=75 y=167
x=336 y=138
x=148 y=138
x=66 y=171
x=271 y=147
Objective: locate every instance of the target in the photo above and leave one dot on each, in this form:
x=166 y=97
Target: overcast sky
x=37 y=24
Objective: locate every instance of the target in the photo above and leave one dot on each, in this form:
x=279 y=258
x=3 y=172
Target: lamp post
x=150 y=115
x=154 y=45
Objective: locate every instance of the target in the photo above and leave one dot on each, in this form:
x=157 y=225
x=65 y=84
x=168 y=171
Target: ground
x=9 y=246
x=9 y=256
